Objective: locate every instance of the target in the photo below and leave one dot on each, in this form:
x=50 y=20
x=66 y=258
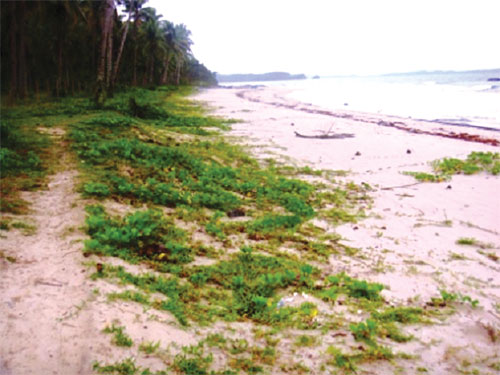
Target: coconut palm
x=132 y=7
x=168 y=47
x=152 y=36
x=105 y=51
x=182 y=43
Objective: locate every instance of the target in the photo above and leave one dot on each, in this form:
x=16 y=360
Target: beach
x=387 y=275
x=409 y=239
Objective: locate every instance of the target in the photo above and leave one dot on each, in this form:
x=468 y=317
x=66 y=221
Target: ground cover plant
x=23 y=160
x=141 y=160
x=476 y=162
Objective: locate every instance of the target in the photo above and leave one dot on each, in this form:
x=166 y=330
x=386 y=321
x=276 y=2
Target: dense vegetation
x=65 y=47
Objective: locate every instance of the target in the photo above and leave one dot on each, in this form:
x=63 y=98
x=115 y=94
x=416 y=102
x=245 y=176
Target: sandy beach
x=53 y=311
x=408 y=240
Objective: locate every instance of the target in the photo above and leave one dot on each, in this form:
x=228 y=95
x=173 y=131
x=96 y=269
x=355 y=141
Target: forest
x=62 y=47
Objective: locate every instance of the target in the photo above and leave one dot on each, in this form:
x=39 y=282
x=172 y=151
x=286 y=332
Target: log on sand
x=326 y=136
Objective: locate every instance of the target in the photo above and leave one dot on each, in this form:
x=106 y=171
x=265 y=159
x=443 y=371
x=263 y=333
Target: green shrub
x=96 y=189
x=341 y=283
x=143 y=234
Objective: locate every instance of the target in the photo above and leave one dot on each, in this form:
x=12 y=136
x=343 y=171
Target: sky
x=339 y=37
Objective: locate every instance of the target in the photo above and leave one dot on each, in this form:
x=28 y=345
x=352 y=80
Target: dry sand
x=52 y=314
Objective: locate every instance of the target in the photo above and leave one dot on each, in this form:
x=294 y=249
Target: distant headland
x=272 y=76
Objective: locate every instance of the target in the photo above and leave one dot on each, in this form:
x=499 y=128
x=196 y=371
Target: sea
x=467 y=98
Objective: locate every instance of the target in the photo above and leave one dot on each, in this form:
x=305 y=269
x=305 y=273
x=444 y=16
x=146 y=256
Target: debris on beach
x=326 y=135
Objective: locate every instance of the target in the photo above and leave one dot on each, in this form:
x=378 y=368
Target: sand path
x=44 y=293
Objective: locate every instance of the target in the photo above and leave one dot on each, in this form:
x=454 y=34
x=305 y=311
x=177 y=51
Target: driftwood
x=326 y=136
x=400 y=186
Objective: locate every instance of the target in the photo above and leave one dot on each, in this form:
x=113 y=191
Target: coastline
x=408 y=240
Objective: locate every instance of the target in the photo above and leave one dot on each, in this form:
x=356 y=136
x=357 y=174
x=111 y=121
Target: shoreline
x=414 y=125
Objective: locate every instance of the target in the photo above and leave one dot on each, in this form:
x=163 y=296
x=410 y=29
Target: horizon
x=371 y=75
x=340 y=38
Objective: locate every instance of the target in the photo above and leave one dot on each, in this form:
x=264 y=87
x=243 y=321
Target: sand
x=52 y=314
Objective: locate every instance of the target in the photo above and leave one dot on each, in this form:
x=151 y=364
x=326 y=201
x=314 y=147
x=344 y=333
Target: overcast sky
x=329 y=37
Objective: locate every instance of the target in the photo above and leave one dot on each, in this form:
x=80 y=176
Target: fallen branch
x=326 y=136
x=48 y=283
x=400 y=186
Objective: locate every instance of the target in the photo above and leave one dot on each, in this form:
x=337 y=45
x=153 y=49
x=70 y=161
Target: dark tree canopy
x=62 y=47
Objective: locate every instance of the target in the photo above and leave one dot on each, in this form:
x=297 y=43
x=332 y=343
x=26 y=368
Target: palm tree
x=106 y=50
x=182 y=42
x=151 y=33
x=132 y=7
x=168 y=31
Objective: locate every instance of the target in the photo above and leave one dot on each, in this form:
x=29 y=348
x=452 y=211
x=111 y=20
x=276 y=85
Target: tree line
x=63 y=47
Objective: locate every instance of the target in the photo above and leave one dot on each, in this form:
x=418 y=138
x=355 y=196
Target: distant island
x=272 y=76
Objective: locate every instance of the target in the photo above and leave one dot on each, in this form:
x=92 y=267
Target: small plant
x=341 y=360
x=364 y=331
x=129 y=295
x=8 y=258
x=305 y=340
x=216 y=340
x=149 y=347
x=192 y=361
x=426 y=177
x=400 y=314
x=26 y=228
x=474 y=163
x=448 y=298
x=490 y=255
x=339 y=216
x=467 y=241
x=96 y=189
x=120 y=337
x=126 y=367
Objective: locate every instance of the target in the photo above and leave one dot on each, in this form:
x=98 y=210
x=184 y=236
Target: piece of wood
x=326 y=136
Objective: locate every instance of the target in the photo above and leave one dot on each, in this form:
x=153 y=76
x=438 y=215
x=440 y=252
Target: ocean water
x=461 y=98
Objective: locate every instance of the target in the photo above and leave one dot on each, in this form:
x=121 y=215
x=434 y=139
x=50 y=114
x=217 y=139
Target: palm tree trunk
x=134 y=76
x=179 y=67
x=164 y=75
x=109 y=54
x=59 y=67
x=106 y=26
x=151 y=67
x=23 y=74
x=13 y=53
x=122 y=44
